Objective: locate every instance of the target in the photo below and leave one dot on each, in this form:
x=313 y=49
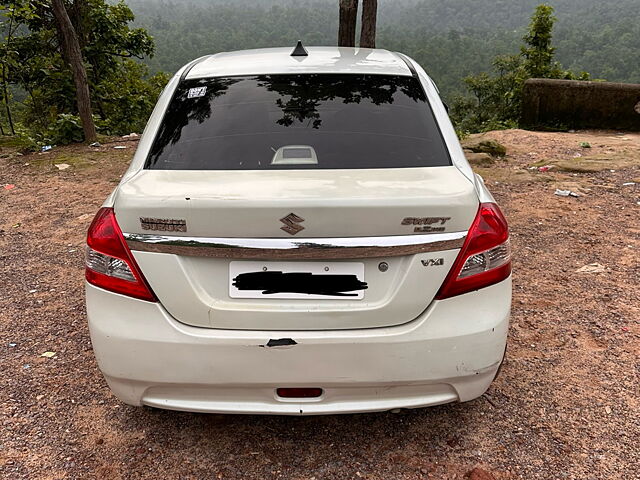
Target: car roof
x=319 y=60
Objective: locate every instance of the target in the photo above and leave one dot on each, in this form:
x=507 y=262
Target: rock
x=492 y=147
x=591 y=268
x=480 y=474
x=565 y=193
x=62 y=166
x=480 y=159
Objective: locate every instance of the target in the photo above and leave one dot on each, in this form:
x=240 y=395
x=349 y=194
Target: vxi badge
x=426 y=224
x=433 y=262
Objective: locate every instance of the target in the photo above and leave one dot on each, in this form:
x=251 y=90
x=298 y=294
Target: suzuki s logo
x=291 y=224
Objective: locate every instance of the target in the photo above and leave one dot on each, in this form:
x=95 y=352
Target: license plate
x=297 y=280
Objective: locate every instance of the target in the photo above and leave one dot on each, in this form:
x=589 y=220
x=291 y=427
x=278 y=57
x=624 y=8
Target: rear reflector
x=109 y=263
x=485 y=257
x=299 y=392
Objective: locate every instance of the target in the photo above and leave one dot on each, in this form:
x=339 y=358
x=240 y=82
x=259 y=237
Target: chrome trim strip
x=301 y=249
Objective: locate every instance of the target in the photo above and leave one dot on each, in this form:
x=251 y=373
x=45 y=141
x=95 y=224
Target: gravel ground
x=565 y=406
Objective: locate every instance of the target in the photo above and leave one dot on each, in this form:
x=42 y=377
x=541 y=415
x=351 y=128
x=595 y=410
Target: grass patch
x=76 y=159
x=13 y=142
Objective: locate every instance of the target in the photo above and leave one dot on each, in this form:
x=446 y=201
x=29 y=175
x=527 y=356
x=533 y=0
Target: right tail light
x=485 y=257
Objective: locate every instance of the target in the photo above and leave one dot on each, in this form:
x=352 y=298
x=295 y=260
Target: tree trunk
x=73 y=55
x=368 y=32
x=347 y=25
x=5 y=92
x=4 y=77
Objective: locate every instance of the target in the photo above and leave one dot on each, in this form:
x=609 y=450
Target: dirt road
x=566 y=405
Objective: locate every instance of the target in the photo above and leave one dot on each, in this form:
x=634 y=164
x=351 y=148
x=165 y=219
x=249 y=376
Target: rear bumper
x=450 y=353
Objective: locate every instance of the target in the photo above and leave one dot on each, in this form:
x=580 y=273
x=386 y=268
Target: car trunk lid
x=309 y=211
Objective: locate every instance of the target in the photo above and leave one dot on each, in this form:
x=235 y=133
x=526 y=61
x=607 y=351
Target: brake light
x=109 y=263
x=485 y=257
x=299 y=392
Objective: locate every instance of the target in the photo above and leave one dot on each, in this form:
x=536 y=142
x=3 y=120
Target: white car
x=299 y=234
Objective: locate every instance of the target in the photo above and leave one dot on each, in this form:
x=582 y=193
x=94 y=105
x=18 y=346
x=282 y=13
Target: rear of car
x=299 y=236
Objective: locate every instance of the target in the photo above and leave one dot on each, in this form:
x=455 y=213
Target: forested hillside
x=452 y=38
x=479 y=52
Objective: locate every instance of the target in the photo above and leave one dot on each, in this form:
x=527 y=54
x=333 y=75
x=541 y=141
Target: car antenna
x=299 y=51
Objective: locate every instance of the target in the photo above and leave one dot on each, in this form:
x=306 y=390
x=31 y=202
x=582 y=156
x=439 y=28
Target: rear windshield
x=303 y=121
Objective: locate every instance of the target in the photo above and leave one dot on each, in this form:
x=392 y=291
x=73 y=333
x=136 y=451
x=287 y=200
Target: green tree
x=497 y=98
x=70 y=47
x=537 y=51
x=122 y=93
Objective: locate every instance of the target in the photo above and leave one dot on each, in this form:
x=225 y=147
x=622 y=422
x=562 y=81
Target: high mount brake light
x=485 y=257
x=109 y=263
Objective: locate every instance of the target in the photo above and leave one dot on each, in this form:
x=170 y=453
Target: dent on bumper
x=450 y=353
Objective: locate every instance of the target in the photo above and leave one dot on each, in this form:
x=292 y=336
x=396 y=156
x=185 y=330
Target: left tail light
x=485 y=257
x=109 y=262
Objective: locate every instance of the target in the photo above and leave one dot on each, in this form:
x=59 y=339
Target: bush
x=66 y=129
x=497 y=98
x=126 y=99
x=25 y=140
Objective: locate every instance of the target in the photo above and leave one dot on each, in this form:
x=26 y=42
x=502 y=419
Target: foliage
x=66 y=129
x=537 y=51
x=496 y=102
x=452 y=39
x=498 y=97
x=122 y=95
x=26 y=140
x=131 y=97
